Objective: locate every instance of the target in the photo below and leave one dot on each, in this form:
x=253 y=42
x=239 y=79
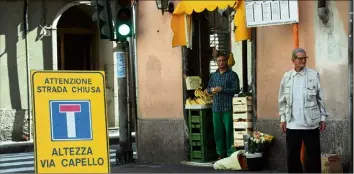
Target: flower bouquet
x=255 y=146
x=258 y=142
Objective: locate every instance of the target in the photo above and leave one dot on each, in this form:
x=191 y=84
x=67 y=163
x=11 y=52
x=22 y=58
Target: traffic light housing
x=104 y=16
x=124 y=20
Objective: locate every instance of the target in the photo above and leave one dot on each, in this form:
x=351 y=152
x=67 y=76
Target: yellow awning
x=188 y=6
x=181 y=22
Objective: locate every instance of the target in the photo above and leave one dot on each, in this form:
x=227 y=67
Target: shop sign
x=267 y=13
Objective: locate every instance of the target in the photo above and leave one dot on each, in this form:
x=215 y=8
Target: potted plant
x=257 y=144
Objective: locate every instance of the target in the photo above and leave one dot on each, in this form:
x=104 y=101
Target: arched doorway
x=77 y=40
x=76 y=45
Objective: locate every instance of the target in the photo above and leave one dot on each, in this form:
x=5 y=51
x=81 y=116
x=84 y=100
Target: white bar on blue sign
x=71 y=126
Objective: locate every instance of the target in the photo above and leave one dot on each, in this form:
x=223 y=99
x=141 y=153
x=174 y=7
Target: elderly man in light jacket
x=302 y=114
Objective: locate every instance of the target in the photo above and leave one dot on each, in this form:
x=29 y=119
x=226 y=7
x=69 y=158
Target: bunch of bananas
x=199 y=93
x=200 y=98
x=231 y=60
x=198 y=101
x=190 y=101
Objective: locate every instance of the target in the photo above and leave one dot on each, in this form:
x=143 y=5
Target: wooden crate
x=243 y=116
x=239 y=143
x=238 y=136
x=242 y=104
x=241 y=108
x=239 y=133
x=242 y=100
x=242 y=125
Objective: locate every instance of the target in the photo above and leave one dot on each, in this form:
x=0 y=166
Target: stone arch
x=54 y=29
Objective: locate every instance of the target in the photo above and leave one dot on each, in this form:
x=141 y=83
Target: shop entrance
x=77 y=40
x=210 y=32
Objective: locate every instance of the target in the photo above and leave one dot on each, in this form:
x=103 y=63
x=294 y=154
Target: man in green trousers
x=223 y=84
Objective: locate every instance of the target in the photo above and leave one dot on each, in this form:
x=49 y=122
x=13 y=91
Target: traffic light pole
x=131 y=96
x=124 y=152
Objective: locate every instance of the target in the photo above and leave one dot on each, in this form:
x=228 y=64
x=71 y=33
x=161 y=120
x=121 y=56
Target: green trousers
x=223 y=133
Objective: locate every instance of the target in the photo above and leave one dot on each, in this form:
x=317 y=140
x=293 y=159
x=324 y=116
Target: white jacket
x=314 y=106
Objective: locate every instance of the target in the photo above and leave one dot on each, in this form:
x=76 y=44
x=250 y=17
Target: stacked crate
x=242 y=118
x=201 y=139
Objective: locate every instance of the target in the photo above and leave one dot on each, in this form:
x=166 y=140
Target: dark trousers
x=311 y=140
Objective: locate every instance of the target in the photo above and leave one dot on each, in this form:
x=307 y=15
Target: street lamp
x=164 y=5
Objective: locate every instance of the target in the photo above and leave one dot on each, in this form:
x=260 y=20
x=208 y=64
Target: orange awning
x=181 y=21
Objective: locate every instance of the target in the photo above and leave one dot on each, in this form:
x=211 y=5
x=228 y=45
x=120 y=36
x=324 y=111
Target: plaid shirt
x=230 y=85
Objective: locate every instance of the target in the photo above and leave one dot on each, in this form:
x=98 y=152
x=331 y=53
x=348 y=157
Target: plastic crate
x=201 y=136
x=200 y=124
x=202 y=154
x=200 y=115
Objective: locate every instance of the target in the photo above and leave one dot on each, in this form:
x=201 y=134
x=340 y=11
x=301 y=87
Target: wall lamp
x=165 y=6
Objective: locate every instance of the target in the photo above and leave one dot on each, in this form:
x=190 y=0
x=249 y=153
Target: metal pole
x=28 y=69
x=254 y=76
x=134 y=57
x=244 y=67
x=350 y=80
x=131 y=96
x=121 y=155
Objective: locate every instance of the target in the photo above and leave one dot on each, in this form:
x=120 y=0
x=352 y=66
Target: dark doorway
x=77 y=41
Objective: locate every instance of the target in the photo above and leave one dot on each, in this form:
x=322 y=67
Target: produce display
x=200 y=98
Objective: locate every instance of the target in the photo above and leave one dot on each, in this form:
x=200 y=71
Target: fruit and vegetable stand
x=201 y=139
x=200 y=124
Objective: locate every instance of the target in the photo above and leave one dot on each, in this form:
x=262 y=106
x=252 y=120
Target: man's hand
x=216 y=89
x=206 y=91
x=322 y=126
x=283 y=127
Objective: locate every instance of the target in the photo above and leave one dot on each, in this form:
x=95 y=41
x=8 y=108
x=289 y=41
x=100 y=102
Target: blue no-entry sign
x=70 y=120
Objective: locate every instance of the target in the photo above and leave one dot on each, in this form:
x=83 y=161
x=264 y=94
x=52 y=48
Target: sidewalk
x=172 y=168
x=164 y=168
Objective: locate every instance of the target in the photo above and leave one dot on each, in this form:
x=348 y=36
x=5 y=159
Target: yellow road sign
x=70 y=122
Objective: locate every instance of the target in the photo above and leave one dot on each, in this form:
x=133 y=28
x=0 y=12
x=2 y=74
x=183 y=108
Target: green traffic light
x=124 y=29
x=124 y=20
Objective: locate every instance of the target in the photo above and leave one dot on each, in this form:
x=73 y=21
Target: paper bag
x=331 y=163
